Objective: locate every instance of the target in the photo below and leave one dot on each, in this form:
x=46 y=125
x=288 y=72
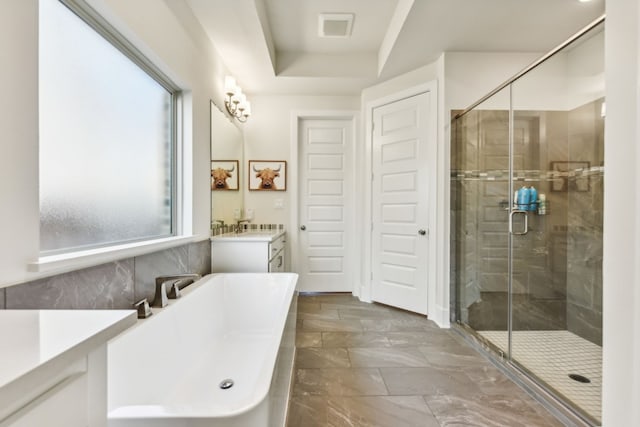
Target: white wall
x=585 y=72
x=566 y=81
x=471 y=75
x=398 y=84
x=177 y=45
x=19 y=216
x=268 y=137
x=621 y=261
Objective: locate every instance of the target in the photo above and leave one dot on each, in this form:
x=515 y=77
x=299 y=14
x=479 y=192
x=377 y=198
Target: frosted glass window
x=106 y=140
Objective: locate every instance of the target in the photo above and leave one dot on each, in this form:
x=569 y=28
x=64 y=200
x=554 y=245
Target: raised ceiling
x=273 y=46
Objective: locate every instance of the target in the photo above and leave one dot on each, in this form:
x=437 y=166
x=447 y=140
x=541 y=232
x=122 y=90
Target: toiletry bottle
x=533 y=199
x=542 y=205
x=523 y=198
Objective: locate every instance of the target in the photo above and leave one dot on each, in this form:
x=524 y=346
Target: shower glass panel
x=557 y=265
x=527 y=204
x=480 y=199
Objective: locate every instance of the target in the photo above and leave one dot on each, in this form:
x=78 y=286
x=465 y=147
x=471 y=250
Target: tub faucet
x=175 y=283
x=143 y=309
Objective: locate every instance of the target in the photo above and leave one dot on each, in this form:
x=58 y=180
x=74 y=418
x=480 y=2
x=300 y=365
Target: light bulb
x=230 y=87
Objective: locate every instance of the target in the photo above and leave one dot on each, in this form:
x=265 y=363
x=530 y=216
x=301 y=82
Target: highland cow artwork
x=267 y=175
x=224 y=175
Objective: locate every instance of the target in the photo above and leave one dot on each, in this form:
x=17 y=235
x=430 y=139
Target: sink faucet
x=175 y=282
x=239 y=223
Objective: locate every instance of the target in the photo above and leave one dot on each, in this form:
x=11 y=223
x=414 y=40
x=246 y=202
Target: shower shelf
x=526 y=176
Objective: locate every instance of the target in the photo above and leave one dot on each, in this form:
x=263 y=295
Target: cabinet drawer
x=276 y=246
x=276 y=265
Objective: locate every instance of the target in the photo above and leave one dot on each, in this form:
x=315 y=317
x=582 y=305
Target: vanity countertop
x=249 y=236
x=35 y=342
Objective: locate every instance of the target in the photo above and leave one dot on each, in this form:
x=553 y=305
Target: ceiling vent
x=335 y=24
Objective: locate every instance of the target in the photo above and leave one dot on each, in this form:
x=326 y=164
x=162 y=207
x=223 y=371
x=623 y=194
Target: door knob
x=422 y=232
x=303 y=227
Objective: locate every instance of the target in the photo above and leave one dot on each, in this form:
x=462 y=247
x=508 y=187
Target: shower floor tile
x=553 y=356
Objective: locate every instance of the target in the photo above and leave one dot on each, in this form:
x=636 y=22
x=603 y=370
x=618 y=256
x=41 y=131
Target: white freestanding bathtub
x=166 y=370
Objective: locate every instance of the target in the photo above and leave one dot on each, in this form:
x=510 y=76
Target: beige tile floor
x=362 y=364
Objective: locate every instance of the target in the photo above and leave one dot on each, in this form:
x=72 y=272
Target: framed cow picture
x=224 y=175
x=267 y=175
x=568 y=176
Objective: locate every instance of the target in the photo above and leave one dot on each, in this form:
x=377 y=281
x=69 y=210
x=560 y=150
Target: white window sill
x=91 y=257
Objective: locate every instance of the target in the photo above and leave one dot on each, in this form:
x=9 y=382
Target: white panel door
x=326 y=205
x=400 y=235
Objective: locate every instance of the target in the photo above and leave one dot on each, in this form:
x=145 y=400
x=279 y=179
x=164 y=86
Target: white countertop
x=31 y=340
x=249 y=236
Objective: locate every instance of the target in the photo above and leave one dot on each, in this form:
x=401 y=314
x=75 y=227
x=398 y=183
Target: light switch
x=278 y=203
x=249 y=214
x=237 y=214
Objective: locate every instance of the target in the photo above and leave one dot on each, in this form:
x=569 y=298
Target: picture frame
x=225 y=175
x=267 y=175
x=562 y=170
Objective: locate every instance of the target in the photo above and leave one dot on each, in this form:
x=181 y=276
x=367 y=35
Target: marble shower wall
x=584 y=223
x=115 y=285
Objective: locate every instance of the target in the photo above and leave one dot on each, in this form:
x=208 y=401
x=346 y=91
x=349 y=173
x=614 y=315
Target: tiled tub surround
x=115 y=285
x=362 y=364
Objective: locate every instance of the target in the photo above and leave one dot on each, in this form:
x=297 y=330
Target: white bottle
x=542 y=204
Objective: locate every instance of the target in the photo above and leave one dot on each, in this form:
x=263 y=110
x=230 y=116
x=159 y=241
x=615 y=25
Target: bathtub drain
x=226 y=384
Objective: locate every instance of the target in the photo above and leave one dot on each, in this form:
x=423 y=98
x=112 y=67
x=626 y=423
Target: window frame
x=68 y=257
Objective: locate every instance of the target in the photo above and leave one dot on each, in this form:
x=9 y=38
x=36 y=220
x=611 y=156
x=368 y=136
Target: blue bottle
x=533 y=199
x=523 y=198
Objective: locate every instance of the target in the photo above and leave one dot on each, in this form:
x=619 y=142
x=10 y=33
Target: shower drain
x=579 y=378
x=226 y=384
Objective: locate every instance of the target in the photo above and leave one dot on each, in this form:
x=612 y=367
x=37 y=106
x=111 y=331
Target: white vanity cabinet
x=248 y=252
x=276 y=254
x=53 y=366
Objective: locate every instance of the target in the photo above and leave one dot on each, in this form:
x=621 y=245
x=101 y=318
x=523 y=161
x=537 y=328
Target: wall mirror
x=227 y=161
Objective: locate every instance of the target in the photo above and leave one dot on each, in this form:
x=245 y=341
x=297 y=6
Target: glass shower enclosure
x=527 y=170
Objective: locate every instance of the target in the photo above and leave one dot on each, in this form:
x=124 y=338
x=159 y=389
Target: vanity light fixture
x=236 y=101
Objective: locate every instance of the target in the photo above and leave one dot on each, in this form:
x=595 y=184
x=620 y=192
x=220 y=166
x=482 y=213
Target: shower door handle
x=526 y=222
